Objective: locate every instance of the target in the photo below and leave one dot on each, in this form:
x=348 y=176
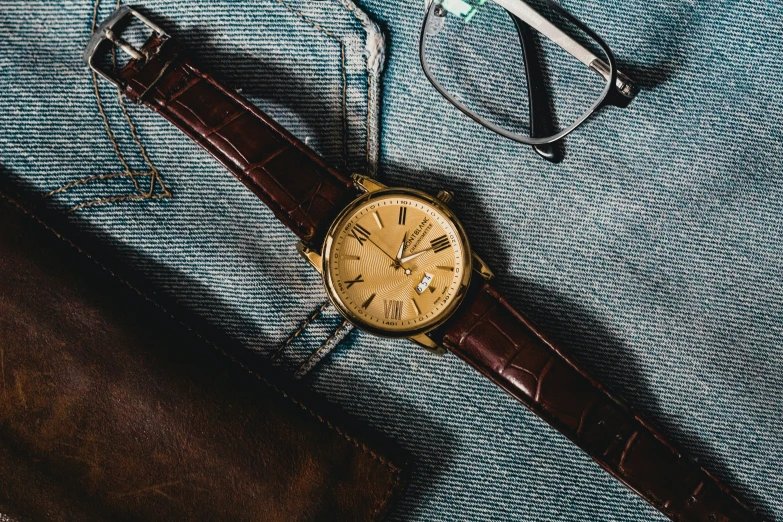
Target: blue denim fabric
x=653 y=252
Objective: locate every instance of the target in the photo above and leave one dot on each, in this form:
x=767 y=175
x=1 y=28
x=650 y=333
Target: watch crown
x=445 y=196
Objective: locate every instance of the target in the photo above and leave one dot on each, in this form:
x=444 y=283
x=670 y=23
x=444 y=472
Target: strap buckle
x=105 y=33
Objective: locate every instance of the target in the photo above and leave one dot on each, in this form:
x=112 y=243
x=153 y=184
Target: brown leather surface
x=288 y=176
x=112 y=409
x=491 y=336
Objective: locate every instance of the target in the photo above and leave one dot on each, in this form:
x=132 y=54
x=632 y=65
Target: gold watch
x=396 y=262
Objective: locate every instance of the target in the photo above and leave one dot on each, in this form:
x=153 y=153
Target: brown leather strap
x=494 y=338
x=282 y=171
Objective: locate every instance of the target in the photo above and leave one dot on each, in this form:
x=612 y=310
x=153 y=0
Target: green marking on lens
x=462 y=8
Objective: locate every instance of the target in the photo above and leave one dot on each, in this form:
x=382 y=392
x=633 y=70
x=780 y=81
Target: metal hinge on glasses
x=105 y=33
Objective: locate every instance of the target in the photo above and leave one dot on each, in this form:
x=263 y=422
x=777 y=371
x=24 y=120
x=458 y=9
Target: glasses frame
x=605 y=99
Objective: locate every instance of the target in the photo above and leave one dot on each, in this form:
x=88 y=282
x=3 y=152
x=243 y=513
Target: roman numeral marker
x=415 y=306
x=449 y=268
x=360 y=234
x=392 y=309
x=440 y=243
x=349 y=257
x=377 y=219
x=352 y=282
x=403 y=215
x=366 y=304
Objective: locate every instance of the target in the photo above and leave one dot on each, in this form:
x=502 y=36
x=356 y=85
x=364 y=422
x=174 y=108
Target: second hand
x=379 y=247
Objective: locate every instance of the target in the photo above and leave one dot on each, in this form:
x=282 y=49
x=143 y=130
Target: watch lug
x=312 y=257
x=430 y=345
x=482 y=268
x=366 y=184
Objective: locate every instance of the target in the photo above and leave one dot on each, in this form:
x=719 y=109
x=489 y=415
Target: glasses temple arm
x=530 y=16
x=539 y=104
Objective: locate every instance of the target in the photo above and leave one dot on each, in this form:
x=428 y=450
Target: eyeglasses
x=469 y=53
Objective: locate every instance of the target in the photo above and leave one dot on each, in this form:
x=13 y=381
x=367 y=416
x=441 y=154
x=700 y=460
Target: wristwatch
x=396 y=262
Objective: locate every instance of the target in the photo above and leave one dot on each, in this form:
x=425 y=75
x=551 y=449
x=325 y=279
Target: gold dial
x=396 y=262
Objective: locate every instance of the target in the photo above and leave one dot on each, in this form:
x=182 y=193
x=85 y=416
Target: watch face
x=396 y=262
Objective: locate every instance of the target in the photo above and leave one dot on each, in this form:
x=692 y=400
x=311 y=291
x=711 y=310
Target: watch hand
x=414 y=256
x=381 y=249
x=402 y=248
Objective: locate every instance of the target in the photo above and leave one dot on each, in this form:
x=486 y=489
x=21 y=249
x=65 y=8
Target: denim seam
x=330 y=343
x=343 y=71
x=374 y=65
x=117 y=199
x=376 y=55
x=296 y=333
x=395 y=469
x=375 y=48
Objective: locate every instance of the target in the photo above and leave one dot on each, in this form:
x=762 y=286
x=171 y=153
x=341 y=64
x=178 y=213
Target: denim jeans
x=653 y=252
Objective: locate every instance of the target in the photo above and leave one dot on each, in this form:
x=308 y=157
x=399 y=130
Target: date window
x=425 y=283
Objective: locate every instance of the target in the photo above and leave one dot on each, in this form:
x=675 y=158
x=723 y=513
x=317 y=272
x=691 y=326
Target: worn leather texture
x=112 y=409
x=490 y=335
x=288 y=176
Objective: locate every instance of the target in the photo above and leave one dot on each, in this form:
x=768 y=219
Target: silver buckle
x=105 y=33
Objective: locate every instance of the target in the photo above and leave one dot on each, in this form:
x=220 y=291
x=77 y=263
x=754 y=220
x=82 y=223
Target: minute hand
x=414 y=256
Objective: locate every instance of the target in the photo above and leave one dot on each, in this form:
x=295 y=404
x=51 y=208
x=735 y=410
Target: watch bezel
x=357 y=320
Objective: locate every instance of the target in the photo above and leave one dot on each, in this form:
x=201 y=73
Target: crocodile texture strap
x=491 y=336
x=291 y=179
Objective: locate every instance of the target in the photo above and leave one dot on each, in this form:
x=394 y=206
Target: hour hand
x=402 y=249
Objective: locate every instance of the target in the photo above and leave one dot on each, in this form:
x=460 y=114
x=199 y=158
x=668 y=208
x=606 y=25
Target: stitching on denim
x=306 y=366
x=154 y=174
x=372 y=70
x=357 y=443
x=340 y=42
x=367 y=126
x=344 y=72
x=299 y=330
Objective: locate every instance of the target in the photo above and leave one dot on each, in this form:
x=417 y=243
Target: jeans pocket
x=184 y=222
